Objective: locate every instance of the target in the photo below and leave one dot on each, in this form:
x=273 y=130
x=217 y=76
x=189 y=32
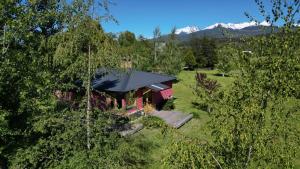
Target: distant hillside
x=220 y=32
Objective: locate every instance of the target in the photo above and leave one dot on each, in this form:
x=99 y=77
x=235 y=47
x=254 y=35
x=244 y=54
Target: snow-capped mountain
x=237 y=26
x=297 y=25
x=233 y=30
x=234 y=26
x=187 y=30
x=265 y=23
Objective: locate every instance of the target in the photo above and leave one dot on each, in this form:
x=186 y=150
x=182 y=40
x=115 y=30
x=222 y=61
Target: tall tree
x=226 y=57
x=189 y=58
x=208 y=51
x=126 y=39
x=37 y=130
x=254 y=124
x=204 y=51
x=171 y=61
x=143 y=59
x=127 y=43
x=25 y=27
x=157 y=43
x=85 y=43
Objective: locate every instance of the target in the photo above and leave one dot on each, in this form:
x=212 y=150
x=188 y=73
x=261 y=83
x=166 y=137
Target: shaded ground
x=131 y=129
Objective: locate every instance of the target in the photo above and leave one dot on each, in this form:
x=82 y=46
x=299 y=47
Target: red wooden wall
x=139 y=100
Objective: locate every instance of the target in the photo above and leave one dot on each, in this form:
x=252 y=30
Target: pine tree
x=189 y=59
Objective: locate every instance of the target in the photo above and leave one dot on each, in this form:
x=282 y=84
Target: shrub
x=153 y=122
x=169 y=105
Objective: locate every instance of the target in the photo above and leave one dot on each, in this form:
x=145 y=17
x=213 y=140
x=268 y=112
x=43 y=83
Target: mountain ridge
x=234 y=26
x=222 y=30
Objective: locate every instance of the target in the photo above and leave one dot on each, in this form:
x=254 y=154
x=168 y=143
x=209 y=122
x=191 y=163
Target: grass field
x=195 y=128
x=183 y=93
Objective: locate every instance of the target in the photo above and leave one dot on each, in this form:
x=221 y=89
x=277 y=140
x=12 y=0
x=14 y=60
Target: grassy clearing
x=183 y=90
x=195 y=128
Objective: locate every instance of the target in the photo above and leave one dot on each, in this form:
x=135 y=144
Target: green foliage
x=207 y=91
x=151 y=55
x=204 y=51
x=64 y=145
x=153 y=122
x=71 y=54
x=171 y=60
x=142 y=57
x=189 y=59
x=226 y=58
x=169 y=105
x=188 y=153
x=44 y=47
x=253 y=125
x=127 y=42
x=126 y=39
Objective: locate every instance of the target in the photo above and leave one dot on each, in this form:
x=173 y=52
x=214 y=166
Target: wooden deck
x=173 y=118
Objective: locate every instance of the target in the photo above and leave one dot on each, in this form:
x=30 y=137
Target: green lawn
x=183 y=90
x=195 y=128
x=183 y=93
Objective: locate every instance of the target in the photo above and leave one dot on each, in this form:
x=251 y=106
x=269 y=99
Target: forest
x=49 y=46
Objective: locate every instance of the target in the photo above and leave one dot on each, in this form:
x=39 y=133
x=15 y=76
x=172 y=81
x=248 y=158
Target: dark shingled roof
x=117 y=81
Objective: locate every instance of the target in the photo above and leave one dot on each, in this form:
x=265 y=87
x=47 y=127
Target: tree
x=126 y=39
x=196 y=44
x=142 y=59
x=47 y=46
x=91 y=45
x=171 y=61
x=127 y=43
x=189 y=59
x=208 y=51
x=225 y=59
x=205 y=51
x=206 y=89
x=156 y=37
x=25 y=69
x=253 y=124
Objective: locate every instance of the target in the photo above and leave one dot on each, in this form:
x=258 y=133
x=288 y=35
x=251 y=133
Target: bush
x=169 y=105
x=153 y=122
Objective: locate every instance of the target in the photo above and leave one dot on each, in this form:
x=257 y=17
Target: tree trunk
x=223 y=74
x=155 y=52
x=208 y=109
x=88 y=112
x=3 y=42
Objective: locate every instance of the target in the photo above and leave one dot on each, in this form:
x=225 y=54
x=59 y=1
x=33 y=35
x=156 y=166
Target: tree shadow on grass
x=200 y=106
x=143 y=148
x=220 y=75
x=196 y=115
x=176 y=81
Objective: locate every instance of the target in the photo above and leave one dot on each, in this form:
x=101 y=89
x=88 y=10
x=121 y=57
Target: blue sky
x=142 y=16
